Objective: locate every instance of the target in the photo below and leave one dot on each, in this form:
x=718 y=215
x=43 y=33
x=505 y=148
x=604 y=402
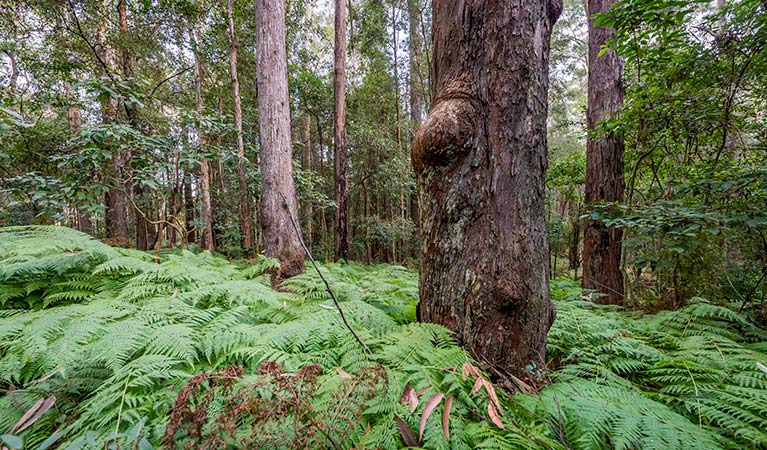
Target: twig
x=327 y=285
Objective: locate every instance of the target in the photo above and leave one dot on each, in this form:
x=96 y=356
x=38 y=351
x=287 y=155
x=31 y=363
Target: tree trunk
x=308 y=207
x=126 y=63
x=604 y=164
x=116 y=214
x=75 y=119
x=246 y=223
x=278 y=194
x=341 y=222
x=414 y=50
x=206 y=213
x=480 y=162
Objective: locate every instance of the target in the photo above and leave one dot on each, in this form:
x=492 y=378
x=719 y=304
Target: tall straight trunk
x=278 y=194
x=341 y=222
x=116 y=214
x=126 y=63
x=414 y=50
x=480 y=163
x=206 y=213
x=396 y=75
x=246 y=223
x=189 y=207
x=604 y=163
x=415 y=88
x=75 y=119
x=308 y=207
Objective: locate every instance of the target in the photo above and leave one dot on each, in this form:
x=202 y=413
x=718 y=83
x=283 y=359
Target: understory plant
x=199 y=352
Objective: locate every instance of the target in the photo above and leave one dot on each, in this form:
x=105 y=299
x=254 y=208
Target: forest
x=383 y=224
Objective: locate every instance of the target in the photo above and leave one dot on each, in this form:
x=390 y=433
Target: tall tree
x=604 y=162
x=480 y=161
x=206 y=212
x=341 y=225
x=246 y=224
x=116 y=214
x=414 y=54
x=278 y=195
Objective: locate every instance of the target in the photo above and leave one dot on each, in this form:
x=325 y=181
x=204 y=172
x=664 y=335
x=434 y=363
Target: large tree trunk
x=480 y=162
x=206 y=213
x=341 y=222
x=246 y=223
x=604 y=164
x=278 y=194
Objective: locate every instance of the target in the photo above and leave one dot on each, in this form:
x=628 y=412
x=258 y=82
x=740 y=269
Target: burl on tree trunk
x=480 y=163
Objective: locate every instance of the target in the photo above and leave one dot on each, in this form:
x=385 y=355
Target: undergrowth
x=97 y=344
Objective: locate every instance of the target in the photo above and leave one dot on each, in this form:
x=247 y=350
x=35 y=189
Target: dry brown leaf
x=408 y=437
x=410 y=397
x=33 y=414
x=494 y=417
x=446 y=417
x=344 y=375
x=522 y=386
x=491 y=392
x=427 y=410
x=477 y=385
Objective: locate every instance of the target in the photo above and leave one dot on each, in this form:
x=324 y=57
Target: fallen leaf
x=410 y=397
x=522 y=386
x=477 y=385
x=491 y=392
x=344 y=375
x=446 y=417
x=407 y=434
x=427 y=410
x=494 y=417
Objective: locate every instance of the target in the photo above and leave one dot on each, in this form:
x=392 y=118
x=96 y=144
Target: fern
x=115 y=336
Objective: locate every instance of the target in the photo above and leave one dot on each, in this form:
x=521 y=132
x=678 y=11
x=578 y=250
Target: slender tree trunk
x=396 y=75
x=190 y=215
x=84 y=222
x=116 y=214
x=604 y=164
x=308 y=207
x=206 y=213
x=480 y=162
x=414 y=50
x=278 y=194
x=126 y=63
x=341 y=222
x=246 y=223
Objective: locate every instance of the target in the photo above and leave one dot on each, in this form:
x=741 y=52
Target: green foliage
x=115 y=337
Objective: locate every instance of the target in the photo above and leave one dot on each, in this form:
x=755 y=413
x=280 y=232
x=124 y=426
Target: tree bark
x=414 y=50
x=480 y=162
x=246 y=223
x=75 y=119
x=278 y=194
x=116 y=214
x=341 y=222
x=604 y=163
x=308 y=207
x=126 y=63
x=206 y=213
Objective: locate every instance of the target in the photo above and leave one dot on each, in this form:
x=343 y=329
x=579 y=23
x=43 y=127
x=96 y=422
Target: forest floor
x=101 y=347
